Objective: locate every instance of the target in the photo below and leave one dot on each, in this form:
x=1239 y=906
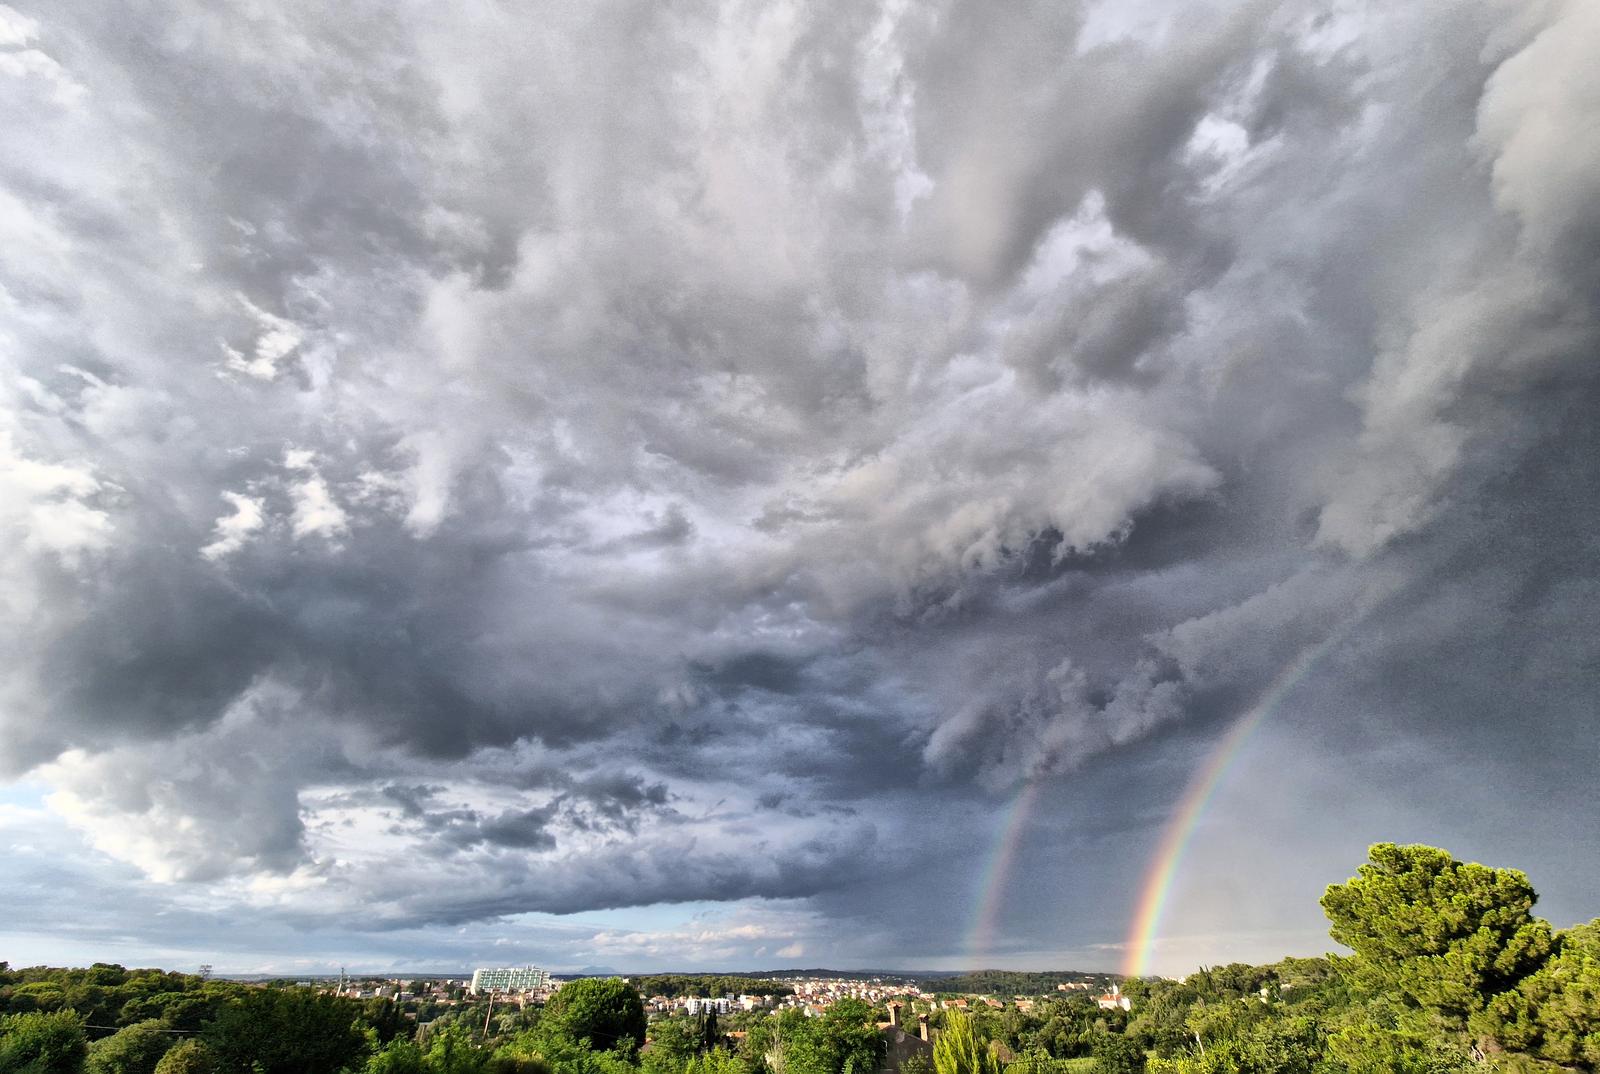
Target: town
x=693 y=995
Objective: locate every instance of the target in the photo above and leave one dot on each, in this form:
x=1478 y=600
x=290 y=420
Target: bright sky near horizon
x=732 y=485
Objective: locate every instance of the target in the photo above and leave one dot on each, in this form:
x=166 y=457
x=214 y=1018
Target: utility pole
x=486 y=1016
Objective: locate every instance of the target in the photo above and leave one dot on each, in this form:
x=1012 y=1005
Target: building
x=900 y=1045
x=1113 y=1000
x=509 y=979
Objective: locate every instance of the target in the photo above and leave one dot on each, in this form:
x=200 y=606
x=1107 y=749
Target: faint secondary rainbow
x=1170 y=852
x=992 y=881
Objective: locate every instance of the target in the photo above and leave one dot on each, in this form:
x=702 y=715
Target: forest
x=1448 y=970
x=1012 y=982
x=672 y=985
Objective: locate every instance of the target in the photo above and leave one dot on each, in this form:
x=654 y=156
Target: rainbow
x=1170 y=852
x=991 y=881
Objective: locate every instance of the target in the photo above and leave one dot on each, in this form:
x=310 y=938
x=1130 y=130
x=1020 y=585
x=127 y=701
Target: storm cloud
x=459 y=463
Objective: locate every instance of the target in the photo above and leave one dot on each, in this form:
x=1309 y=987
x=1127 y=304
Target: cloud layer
x=476 y=464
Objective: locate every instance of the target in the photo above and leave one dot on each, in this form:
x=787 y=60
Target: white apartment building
x=509 y=979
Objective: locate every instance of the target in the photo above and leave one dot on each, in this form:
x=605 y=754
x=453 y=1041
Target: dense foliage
x=601 y=1012
x=1450 y=972
x=286 y=1031
x=134 y=1049
x=39 y=1043
x=672 y=985
x=1010 y=982
x=960 y=1050
x=843 y=1041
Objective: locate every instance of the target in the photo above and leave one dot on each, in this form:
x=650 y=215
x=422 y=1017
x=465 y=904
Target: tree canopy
x=604 y=1011
x=960 y=1051
x=286 y=1031
x=42 y=1043
x=1443 y=935
x=134 y=1049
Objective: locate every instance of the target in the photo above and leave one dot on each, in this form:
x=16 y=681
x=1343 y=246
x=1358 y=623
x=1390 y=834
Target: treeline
x=108 y=995
x=108 y=1020
x=673 y=985
x=1012 y=982
x=823 y=973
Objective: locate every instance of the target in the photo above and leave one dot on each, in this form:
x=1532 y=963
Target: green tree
x=1368 y=1048
x=399 y=1056
x=189 y=1011
x=1265 y=1046
x=286 y=1031
x=38 y=996
x=717 y=1061
x=710 y=1036
x=1011 y=1027
x=1033 y=1062
x=959 y=1050
x=1292 y=1045
x=850 y=1028
x=41 y=1043
x=1160 y=1020
x=189 y=1057
x=672 y=1045
x=845 y=1040
x=385 y=1018
x=548 y=1048
x=1211 y=1024
x=605 y=1011
x=1444 y=935
x=1116 y=1054
x=134 y=1049
x=452 y=1050
x=1554 y=1014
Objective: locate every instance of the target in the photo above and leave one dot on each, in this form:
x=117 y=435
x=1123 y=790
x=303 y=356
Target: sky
x=732 y=485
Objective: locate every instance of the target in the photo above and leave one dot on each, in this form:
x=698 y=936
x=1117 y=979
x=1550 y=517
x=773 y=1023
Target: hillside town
x=529 y=986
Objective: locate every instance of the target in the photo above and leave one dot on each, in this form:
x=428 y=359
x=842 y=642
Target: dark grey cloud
x=691 y=454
